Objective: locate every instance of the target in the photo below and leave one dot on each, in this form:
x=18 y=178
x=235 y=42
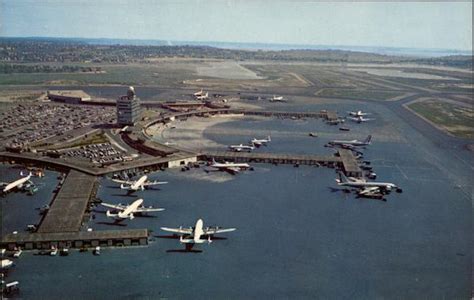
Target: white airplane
x=355 y=143
x=366 y=187
x=199 y=93
x=16 y=184
x=203 y=96
x=197 y=234
x=6 y=264
x=360 y=119
x=128 y=211
x=230 y=167
x=241 y=147
x=358 y=113
x=277 y=99
x=139 y=184
x=260 y=142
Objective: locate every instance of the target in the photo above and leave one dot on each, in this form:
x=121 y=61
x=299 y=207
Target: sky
x=433 y=25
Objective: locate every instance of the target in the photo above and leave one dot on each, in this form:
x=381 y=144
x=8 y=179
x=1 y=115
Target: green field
x=456 y=119
x=133 y=74
x=375 y=95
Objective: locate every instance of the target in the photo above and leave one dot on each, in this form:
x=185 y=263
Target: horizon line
x=236 y=42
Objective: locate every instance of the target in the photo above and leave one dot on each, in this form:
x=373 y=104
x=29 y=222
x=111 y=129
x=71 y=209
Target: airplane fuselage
x=352 y=143
x=198 y=231
x=139 y=183
x=128 y=212
x=16 y=183
x=360 y=184
x=230 y=165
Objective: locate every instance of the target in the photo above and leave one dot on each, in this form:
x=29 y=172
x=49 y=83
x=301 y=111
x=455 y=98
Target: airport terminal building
x=128 y=108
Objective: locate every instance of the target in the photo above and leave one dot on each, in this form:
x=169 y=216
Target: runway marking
x=401 y=171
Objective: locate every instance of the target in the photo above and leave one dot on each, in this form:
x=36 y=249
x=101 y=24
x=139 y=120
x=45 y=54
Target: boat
x=344 y=128
x=54 y=251
x=64 y=252
x=313 y=134
x=97 y=250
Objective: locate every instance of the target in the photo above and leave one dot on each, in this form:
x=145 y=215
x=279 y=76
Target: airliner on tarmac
x=230 y=167
x=197 y=234
x=129 y=211
x=139 y=184
x=17 y=184
x=355 y=143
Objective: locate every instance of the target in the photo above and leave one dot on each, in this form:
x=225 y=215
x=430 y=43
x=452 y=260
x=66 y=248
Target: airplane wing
x=122 y=181
x=232 y=170
x=114 y=206
x=156 y=182
x=215 y=230
x=148 y=209
x=178 y=230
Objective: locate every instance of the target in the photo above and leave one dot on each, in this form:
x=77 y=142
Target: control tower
x=128 y=108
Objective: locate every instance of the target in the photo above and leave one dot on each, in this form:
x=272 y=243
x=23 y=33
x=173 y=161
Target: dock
x=344 y=159
x=69 y=205
x=82 y=239
x=61 y=226
x=349 y=163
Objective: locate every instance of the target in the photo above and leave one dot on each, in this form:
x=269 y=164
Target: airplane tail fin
x=214 y=160
x=368 y=139
x=269 y=138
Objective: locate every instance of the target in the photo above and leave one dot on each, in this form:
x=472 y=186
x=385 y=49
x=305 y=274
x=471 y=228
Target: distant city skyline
x=430 y=25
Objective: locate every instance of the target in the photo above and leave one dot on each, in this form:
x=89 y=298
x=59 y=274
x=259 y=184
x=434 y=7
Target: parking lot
x=23 y=126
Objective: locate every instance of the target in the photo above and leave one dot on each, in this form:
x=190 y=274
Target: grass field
x=132 y=74
x=375 y=95
x=454 y=118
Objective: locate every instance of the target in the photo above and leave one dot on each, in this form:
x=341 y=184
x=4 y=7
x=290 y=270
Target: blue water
x=295 y=238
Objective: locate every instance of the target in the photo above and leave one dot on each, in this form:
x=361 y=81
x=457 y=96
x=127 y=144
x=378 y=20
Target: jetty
x=68 y=207
x=344 y=158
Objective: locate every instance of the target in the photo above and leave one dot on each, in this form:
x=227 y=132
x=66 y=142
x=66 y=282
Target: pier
x=82 y=239
x=349 y=163
x=345 y=159
x=271 y=158
x=61 y=226
x=69 y=205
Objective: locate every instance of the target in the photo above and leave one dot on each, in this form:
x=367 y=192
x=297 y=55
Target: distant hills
x=44 y=49
x=397 y=51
